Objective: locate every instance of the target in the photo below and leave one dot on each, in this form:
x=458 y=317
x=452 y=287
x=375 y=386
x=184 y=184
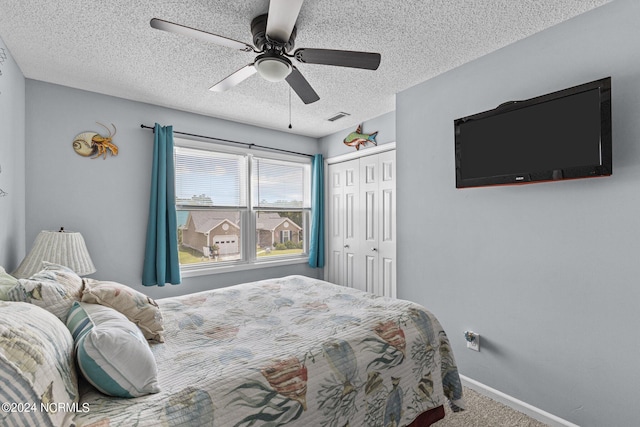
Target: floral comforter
x=290 y=351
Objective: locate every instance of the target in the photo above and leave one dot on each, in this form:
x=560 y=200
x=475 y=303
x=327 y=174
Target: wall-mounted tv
x=562 y=135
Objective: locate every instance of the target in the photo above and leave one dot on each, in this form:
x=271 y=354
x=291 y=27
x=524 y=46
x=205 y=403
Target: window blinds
x=280 y=184
x=208 y=178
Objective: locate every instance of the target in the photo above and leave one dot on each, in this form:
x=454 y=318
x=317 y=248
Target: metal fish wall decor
x=93 y=144
x=357 y=138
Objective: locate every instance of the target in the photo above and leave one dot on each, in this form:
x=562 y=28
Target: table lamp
x=59 y=247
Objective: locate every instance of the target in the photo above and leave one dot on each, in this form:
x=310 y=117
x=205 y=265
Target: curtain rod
x=246 y=144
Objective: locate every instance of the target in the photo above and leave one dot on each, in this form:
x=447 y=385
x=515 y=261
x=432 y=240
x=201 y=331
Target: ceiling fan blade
x=171 y=27
x=340 y=58
x=282 y=18
x=301 y=86
x=230 y=81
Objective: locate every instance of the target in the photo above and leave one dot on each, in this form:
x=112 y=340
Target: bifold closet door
x=361 y=223
x=343 y=224
x=387 y=224
x=377 y=201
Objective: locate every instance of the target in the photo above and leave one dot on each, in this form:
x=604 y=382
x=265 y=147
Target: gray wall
x=548 y=273
x=12 y=159
x=107 y=200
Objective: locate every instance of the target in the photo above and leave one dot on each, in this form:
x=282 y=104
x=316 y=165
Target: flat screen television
x=561 y=135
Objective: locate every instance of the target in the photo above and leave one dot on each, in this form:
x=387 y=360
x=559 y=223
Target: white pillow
x=111 y=351
x=53 y=288
x=139 y=308
x=7 y=282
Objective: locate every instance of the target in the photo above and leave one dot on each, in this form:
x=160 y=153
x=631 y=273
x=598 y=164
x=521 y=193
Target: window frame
x=248 y=215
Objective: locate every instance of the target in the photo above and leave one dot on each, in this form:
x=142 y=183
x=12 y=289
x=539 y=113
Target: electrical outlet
x=474 y=344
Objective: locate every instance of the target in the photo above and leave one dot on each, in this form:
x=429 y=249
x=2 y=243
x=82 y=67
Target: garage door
x=227 y=245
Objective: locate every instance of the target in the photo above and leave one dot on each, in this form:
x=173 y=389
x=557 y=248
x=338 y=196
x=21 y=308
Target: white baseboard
x=518 y=405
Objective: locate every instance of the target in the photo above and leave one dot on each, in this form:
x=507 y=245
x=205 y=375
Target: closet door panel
x=388 y=277
x=369 y=203
x=335 y=267
x=351 y=274
x=387 y=223
x=370 y=216
x=351 y=247
x=371 y=273
x=335 y=218
x=343 y=228
x=387 y=216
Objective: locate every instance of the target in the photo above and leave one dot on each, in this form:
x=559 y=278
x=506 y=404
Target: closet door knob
x=373 y=249
x=346 y=246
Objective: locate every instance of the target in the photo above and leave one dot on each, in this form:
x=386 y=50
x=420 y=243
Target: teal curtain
x=161 y=263
x=316 y=241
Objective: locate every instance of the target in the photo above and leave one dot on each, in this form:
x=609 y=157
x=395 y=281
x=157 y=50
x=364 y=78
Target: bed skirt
x=427 y=418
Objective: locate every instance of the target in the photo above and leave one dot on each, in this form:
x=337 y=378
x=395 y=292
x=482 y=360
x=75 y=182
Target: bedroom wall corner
x=12 y=161
x=547 y=273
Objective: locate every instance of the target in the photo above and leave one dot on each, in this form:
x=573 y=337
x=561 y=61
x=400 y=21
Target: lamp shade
x=59 y=247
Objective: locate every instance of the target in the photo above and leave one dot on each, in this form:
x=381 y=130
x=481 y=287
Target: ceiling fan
x=274 y=36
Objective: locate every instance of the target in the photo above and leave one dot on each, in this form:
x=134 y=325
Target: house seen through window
x=240 y=206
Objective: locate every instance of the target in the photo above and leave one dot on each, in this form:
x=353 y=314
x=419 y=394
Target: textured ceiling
x=108 y=47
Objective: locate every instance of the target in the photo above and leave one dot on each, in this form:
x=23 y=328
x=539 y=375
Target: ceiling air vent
x=338 y=116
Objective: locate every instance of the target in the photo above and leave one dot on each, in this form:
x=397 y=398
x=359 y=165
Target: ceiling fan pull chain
x=290 y=107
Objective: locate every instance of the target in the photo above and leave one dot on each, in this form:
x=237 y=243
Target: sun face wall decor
x=89 y=144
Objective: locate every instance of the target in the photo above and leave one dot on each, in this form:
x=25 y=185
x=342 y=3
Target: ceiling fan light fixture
x=273 y=68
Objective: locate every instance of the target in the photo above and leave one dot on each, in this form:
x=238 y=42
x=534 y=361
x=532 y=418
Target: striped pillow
x=36 y=366
x=111 y=352
x=78 y=321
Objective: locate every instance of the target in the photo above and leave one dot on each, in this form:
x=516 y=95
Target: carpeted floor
x=482 y=411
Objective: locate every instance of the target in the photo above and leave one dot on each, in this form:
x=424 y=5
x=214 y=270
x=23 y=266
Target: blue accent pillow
x=111 y=351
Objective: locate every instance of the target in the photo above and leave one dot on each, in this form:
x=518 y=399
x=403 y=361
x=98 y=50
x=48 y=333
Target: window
x=240 y=207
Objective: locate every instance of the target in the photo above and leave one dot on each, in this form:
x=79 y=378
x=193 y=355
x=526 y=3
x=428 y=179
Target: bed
x=291 y=351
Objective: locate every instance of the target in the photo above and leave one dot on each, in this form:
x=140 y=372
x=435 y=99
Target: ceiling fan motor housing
x=260 y=40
